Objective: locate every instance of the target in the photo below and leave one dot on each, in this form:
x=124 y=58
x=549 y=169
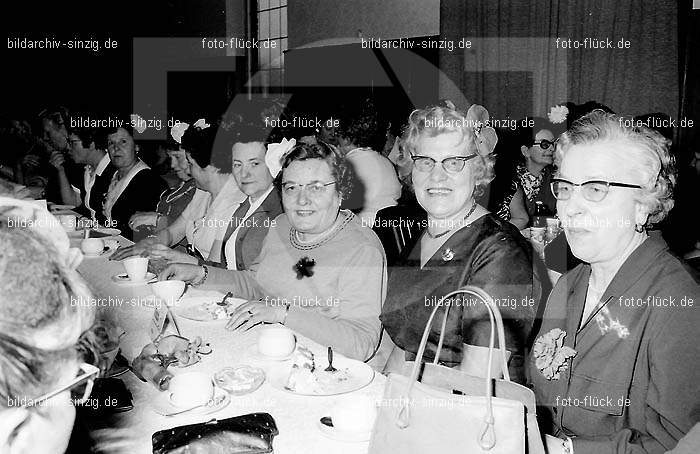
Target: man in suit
x=256 y=214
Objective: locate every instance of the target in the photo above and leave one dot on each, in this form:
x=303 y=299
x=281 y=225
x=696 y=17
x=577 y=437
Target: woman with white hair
x=615 y=362
x=42 y=373
x=462 y=244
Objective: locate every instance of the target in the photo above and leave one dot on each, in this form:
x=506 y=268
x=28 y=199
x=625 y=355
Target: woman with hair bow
x=462 y=244
x=203 y=223
x=319 y=271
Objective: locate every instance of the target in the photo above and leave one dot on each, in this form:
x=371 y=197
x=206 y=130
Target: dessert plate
x=204 y=308
x=352 y=375
x=123 y=279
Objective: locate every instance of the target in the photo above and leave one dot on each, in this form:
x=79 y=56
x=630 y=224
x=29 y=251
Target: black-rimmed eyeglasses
x=592 y=190
x=315 y=188
x=453 y=164
x=80 y=387
x=545 y=144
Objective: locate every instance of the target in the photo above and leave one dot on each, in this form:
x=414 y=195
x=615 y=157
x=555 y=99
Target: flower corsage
x=551 y=354
x=558 y=114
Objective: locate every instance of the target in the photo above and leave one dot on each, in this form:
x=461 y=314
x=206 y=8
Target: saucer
x=123 y=279
x=162 y=405
x=105 y=251
x=342 y=435
x=255 y=354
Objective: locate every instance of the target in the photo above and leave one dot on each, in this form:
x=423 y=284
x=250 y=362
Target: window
x=271 y=23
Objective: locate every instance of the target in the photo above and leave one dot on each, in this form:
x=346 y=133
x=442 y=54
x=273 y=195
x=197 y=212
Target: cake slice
x=301 y=377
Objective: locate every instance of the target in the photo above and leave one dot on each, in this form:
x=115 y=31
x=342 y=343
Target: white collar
x=254 y=205
x=104 y=162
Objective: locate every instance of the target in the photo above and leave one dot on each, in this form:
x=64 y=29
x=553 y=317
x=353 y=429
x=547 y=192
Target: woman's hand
x=57 y=160
x=141 y=248
x=143 y=218
x=183 y=272
x=249 y=314
x=162 y=251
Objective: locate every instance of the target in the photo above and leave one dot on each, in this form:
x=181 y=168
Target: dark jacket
x=490 y=254
x=142 y=194
x=632 y=386
x=250 y=236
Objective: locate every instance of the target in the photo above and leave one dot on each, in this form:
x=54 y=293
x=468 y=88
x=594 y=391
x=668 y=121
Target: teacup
x=136 y=268
x=92 y=246
x=276 y=341
x=354 y=415
x=67 y=221
x=191 y=389
x=169 y=291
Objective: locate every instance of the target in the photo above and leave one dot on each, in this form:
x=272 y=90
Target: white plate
x=192 y=307
x=94 y=256
x=108 y=250
x=341 y=435
x=55 y=207
x=255 y=354
x=123 y=279
x=104 y=231
x=360 y=375
x=162 y=405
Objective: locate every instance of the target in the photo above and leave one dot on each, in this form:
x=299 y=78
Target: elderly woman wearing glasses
x=615 y=361
x=462 y=244
x=41 y=375
x=319 y=271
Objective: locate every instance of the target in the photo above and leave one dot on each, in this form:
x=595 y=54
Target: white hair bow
x=201 y=124
x=138 y=123
x=275 y=153
x=178 y=130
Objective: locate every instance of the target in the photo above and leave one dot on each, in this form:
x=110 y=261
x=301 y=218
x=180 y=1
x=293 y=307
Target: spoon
x=223 y=301
x=217 y=401
x=330 y=367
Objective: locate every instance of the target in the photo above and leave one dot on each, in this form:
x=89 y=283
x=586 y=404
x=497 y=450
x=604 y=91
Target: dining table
x=132 y=307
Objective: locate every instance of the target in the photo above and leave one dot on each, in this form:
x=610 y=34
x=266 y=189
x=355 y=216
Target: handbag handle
x=499 y=327
x=487 y=439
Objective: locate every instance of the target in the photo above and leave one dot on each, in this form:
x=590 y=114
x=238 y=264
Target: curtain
x=516 y=66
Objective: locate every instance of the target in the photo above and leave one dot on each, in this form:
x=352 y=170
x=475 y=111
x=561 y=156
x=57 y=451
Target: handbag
x=247 y=434
x=485 y=415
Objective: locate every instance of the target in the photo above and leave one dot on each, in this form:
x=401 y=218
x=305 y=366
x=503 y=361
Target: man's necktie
x=236 y=220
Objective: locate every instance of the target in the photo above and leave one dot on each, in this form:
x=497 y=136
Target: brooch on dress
x=551 y=354
x=606 y=323
x=447 y=255
x=304 y=267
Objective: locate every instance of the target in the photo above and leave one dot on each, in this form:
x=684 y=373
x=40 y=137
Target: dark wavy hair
x=340 y=169
x=209 y=146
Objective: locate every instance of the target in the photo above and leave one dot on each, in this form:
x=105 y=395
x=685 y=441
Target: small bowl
x=239 y=380
x=169 y=291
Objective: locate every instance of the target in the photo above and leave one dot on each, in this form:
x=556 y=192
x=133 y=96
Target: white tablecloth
x=296 y=416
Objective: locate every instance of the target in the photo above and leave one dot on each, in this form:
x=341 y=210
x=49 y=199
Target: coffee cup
x=136 y=268
x=67 y=221
x=169 y=291
x=356 y=414
x=92 y=246
x=190 y=389
x=276 y=341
